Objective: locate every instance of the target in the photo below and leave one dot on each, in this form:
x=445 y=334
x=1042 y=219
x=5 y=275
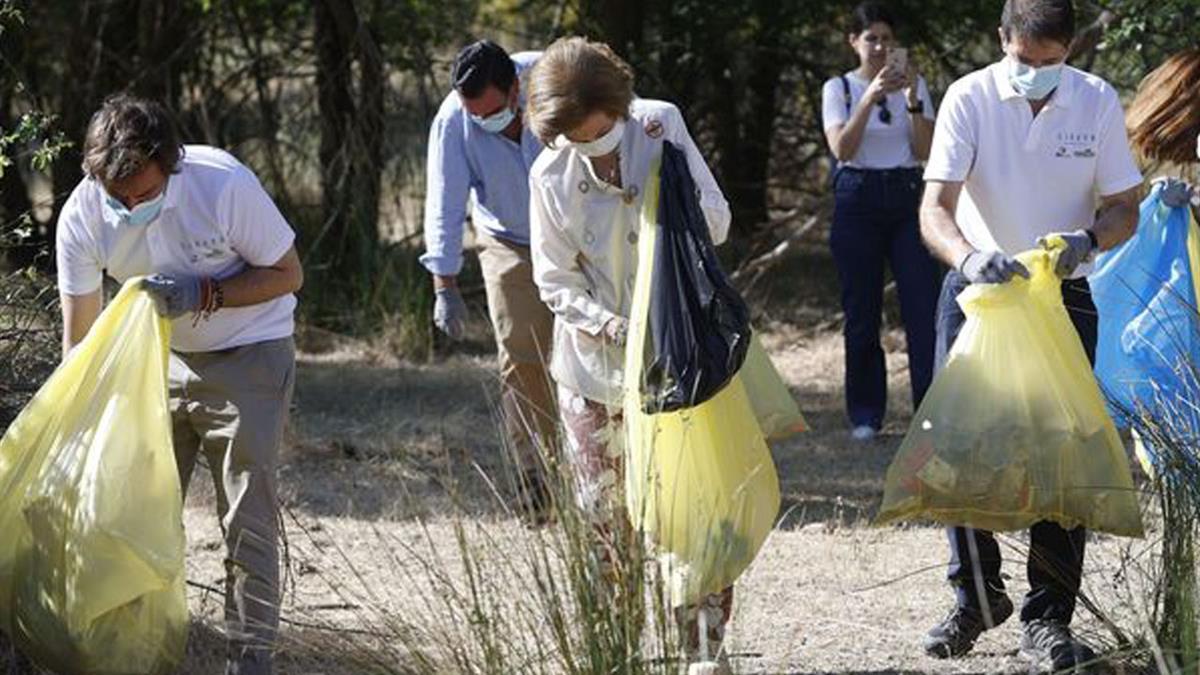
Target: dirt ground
x=377 y=443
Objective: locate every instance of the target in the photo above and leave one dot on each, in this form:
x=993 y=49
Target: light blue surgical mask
x=497 y=122
x=1032 y=83
x=141 y=215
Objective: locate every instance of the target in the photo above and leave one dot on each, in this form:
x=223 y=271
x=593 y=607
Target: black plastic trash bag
x=699 y=324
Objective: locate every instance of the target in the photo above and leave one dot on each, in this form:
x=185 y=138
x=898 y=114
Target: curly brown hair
x=574 y=78
x=125 y=134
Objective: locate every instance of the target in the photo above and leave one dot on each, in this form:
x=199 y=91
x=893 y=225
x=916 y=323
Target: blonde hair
x=1164 y=118
x=573 y=79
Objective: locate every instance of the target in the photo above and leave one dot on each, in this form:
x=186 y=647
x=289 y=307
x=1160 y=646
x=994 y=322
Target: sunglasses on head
x=885 y=115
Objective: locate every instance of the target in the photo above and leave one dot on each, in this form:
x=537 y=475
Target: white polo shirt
x=1027 y=176
x=216 y=220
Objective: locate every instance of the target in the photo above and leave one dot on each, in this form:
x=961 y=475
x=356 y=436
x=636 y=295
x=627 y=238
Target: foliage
x=28 y=304
x=329 y=101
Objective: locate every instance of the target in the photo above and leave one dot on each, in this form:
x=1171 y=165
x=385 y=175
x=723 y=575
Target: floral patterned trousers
x=595 y=447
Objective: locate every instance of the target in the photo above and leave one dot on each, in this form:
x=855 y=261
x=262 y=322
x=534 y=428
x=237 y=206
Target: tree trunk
x=351 y=148
x=745 y=116
x=619 y=23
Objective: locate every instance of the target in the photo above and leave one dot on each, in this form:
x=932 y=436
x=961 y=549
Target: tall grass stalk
x=1166 y=428
x=480 y=594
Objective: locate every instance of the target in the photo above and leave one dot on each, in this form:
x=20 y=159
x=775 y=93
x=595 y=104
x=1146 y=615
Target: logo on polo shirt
x=1081 y=145
x=206 y=249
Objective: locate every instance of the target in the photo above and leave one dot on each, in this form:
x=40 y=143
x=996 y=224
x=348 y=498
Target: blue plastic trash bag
x=1148 y=342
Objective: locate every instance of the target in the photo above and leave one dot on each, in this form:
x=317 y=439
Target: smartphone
x=897 y=58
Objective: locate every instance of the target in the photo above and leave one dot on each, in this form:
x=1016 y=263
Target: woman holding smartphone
x=878 y=121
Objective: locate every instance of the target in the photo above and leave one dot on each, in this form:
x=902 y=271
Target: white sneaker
x=863 y=432
x=718 y=667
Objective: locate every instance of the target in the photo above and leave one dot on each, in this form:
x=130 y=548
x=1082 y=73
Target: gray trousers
x=230 y=406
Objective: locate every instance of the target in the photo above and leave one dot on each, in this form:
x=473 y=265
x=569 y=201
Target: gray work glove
x=450 y=312
x=990 y=267
x=1079 y=250
x=617 y=330
x=1176 y=193
x=173 y=296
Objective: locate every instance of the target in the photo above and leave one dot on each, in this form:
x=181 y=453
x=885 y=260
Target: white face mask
x=497 y=122
x=603 y=145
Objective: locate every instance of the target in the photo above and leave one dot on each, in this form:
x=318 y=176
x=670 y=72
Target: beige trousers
x=230 y=407
x=524 y=331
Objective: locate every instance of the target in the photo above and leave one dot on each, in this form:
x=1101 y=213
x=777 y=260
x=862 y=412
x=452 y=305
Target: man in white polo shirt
x=222 y=265
x=1025 y=148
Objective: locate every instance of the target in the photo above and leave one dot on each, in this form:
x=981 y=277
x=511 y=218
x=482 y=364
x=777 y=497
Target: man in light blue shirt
x=479 y=154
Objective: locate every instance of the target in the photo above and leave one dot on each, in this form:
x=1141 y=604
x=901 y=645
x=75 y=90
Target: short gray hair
x=127 y=133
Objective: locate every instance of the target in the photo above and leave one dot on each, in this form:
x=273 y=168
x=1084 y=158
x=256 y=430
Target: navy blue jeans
x=875 y=222
x=1055 y=560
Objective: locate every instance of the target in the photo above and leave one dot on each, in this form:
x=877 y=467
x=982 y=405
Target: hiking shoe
x=956 y=634
x=1049 y=647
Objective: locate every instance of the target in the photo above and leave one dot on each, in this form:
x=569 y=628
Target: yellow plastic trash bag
x=776 y=411
x=1014 y=429
x=91 y=523
x=700 y=483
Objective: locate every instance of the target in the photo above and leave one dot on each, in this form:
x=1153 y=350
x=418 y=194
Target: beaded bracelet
x=212 y=298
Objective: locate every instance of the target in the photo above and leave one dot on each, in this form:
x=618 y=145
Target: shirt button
x=588 y=237
x=632 y=238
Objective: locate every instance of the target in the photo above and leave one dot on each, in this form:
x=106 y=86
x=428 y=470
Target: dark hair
x=1039 y=20
x=867 y=13
x=480 y=64
x=125 y=134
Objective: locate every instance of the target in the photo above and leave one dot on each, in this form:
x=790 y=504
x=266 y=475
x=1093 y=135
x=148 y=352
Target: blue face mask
x=497 y=122
x=141 y=215
x=1032 y=83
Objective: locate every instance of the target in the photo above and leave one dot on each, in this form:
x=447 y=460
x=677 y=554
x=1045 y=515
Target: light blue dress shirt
x=467 y=165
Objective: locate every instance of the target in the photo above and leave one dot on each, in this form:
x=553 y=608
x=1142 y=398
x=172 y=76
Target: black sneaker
x=956 y=634
x=1049 y=647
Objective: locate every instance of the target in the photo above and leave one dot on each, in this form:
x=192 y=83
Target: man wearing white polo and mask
x=479 y=154
x=1023 y=149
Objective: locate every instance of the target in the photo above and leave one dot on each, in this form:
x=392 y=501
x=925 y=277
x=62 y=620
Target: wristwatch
x=918 y=108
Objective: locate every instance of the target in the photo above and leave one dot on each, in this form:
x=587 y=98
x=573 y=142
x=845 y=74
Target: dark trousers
x=1055 y=560
x=875 y=221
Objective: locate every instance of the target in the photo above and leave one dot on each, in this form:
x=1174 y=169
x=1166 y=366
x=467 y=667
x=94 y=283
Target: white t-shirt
x=583 y=240
x=216 y=220
x=1027 y=176
x=884 y=146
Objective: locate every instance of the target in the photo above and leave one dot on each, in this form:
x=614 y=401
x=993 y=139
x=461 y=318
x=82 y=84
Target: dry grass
x=378 y=443
x=385 y=469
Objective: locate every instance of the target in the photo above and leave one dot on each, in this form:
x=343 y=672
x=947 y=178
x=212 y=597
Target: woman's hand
x=912 y=93
x=617 y=330
x=885 y=82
